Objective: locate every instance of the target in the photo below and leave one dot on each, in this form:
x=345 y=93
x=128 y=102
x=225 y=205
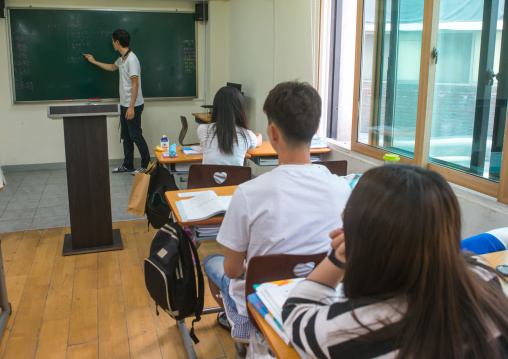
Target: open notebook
x=206 y=204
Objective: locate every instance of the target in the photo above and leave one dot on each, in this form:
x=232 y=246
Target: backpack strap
x=200 y=301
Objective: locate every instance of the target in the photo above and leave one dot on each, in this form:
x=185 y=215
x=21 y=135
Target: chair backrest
x=201 y=176
x=338 y=168
x=269 y=268
x=183 y=132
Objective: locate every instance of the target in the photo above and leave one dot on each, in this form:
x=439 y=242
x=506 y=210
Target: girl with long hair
x=227 y=138
x=408 y=291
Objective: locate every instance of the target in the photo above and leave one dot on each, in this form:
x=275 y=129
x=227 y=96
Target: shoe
x=139 y=170
x=121 y=169
x=222 y=319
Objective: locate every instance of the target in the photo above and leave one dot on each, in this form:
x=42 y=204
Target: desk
x=181 y=158
x=172 y=197
x=280 y=349
x=266 y=150
x=202 y=118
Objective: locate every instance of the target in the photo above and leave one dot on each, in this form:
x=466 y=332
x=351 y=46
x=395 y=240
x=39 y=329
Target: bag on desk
x=170 y=275
x=156 y=207
x=137 y=199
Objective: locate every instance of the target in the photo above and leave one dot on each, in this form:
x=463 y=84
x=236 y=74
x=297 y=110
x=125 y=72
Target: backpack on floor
x=157 y=209
x=170 y=275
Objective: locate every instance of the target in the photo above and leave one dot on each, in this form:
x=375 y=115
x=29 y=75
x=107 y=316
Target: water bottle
x=165 y=143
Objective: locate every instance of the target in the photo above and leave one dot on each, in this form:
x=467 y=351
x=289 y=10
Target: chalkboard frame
x=102 y=100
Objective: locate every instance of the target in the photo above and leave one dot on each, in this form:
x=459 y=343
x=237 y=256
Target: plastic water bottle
x=165 y=143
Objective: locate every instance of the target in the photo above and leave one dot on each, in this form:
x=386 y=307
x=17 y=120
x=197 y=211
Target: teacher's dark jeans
x=131 y=133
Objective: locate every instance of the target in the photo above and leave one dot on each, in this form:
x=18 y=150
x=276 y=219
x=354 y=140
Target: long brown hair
x=228 y=112
x=402 y=228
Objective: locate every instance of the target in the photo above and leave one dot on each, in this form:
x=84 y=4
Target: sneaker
x=222 y=319
x=139 y=170
x=121 y=169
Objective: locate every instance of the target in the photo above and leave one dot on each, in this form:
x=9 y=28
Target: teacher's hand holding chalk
x=89 y=58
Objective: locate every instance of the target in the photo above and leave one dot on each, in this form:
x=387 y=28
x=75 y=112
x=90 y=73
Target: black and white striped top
x=319 y=321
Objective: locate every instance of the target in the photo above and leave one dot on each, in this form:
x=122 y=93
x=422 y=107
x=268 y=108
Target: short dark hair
x=123 y=37
x=295 y=108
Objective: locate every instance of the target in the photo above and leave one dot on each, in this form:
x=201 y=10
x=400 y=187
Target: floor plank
x=113 y=342
x=93 y=305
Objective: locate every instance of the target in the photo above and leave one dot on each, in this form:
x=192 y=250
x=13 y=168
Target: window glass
x=390 y=74
x=466 y=135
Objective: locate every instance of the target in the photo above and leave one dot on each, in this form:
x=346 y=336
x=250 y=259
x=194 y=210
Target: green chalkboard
x=47 y=45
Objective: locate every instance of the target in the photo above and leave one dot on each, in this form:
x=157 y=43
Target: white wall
x=269 y=42
x=23 y=124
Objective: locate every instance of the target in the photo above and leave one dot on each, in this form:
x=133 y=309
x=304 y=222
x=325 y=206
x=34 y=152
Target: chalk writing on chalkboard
x=22 y=62
x=189 y=56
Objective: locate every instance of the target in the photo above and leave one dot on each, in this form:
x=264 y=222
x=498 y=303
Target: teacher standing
x=131 y=102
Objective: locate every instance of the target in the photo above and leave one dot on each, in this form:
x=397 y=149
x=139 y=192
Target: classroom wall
x=27 y=136
x=269 y=42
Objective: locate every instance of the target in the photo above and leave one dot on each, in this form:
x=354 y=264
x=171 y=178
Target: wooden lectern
x=86 y=154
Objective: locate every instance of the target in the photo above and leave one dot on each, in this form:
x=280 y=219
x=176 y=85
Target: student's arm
x=234 y=263
x=134 y=95
x=109 y=67
x=327 y=273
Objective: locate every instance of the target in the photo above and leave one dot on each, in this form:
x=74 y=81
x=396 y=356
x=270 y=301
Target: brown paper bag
x=137 y=199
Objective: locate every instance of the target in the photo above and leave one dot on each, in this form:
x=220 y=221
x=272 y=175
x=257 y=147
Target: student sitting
x=227 y=138
x=290 y=209
x=408 y=291
x=492 y=241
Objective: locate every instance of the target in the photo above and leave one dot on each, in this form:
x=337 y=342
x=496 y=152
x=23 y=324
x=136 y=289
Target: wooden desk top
x=206 y=117
x=181 y=157
x=266 y=149
x=496 y=258
x=280 y=349
x=172 y=197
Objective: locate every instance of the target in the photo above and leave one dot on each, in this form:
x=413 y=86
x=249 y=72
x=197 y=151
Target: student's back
x=226 y=139
x=291 y=210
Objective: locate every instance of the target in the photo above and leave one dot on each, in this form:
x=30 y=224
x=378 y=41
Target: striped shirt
x=319 y=321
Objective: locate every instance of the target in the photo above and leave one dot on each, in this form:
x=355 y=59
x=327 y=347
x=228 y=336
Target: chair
x=262 y=269
x=338 y=168
x=183 y=132
x=201 y=176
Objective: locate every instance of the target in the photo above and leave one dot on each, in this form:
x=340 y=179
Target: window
x=431 y=84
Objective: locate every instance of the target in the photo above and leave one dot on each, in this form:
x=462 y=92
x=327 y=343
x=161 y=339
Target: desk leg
x=4 y=303
x=189 y=348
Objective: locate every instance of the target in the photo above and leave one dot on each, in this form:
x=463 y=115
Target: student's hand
x=89 y=58
x=259 y=138
x=339 y=244
x=129 y=115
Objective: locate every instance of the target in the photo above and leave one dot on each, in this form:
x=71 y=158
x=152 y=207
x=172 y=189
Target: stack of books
x=317 y=142
x=192 y=151
x=205 y=231
x=268 y=301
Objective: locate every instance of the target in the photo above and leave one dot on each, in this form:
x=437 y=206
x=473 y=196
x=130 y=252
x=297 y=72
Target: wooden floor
x=93 y=305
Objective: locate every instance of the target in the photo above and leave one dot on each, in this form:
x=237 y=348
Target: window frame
x=424 y=111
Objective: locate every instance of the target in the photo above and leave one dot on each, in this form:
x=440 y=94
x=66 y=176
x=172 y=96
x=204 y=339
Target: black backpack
x=170 y=276
x=157 y=209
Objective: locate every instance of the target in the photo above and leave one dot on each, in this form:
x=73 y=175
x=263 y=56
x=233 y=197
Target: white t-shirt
x=211 y=152
x=291 y=209
x=129 y=67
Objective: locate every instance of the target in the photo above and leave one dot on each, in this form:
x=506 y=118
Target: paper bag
x=137 y=199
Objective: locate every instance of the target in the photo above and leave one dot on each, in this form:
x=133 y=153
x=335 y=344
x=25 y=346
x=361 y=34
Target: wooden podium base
x=68 y=250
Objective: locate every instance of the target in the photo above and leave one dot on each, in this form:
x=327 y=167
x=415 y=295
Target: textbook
x=261 y=308
x=192 y=151
x=274 y=295
x=205 y=205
